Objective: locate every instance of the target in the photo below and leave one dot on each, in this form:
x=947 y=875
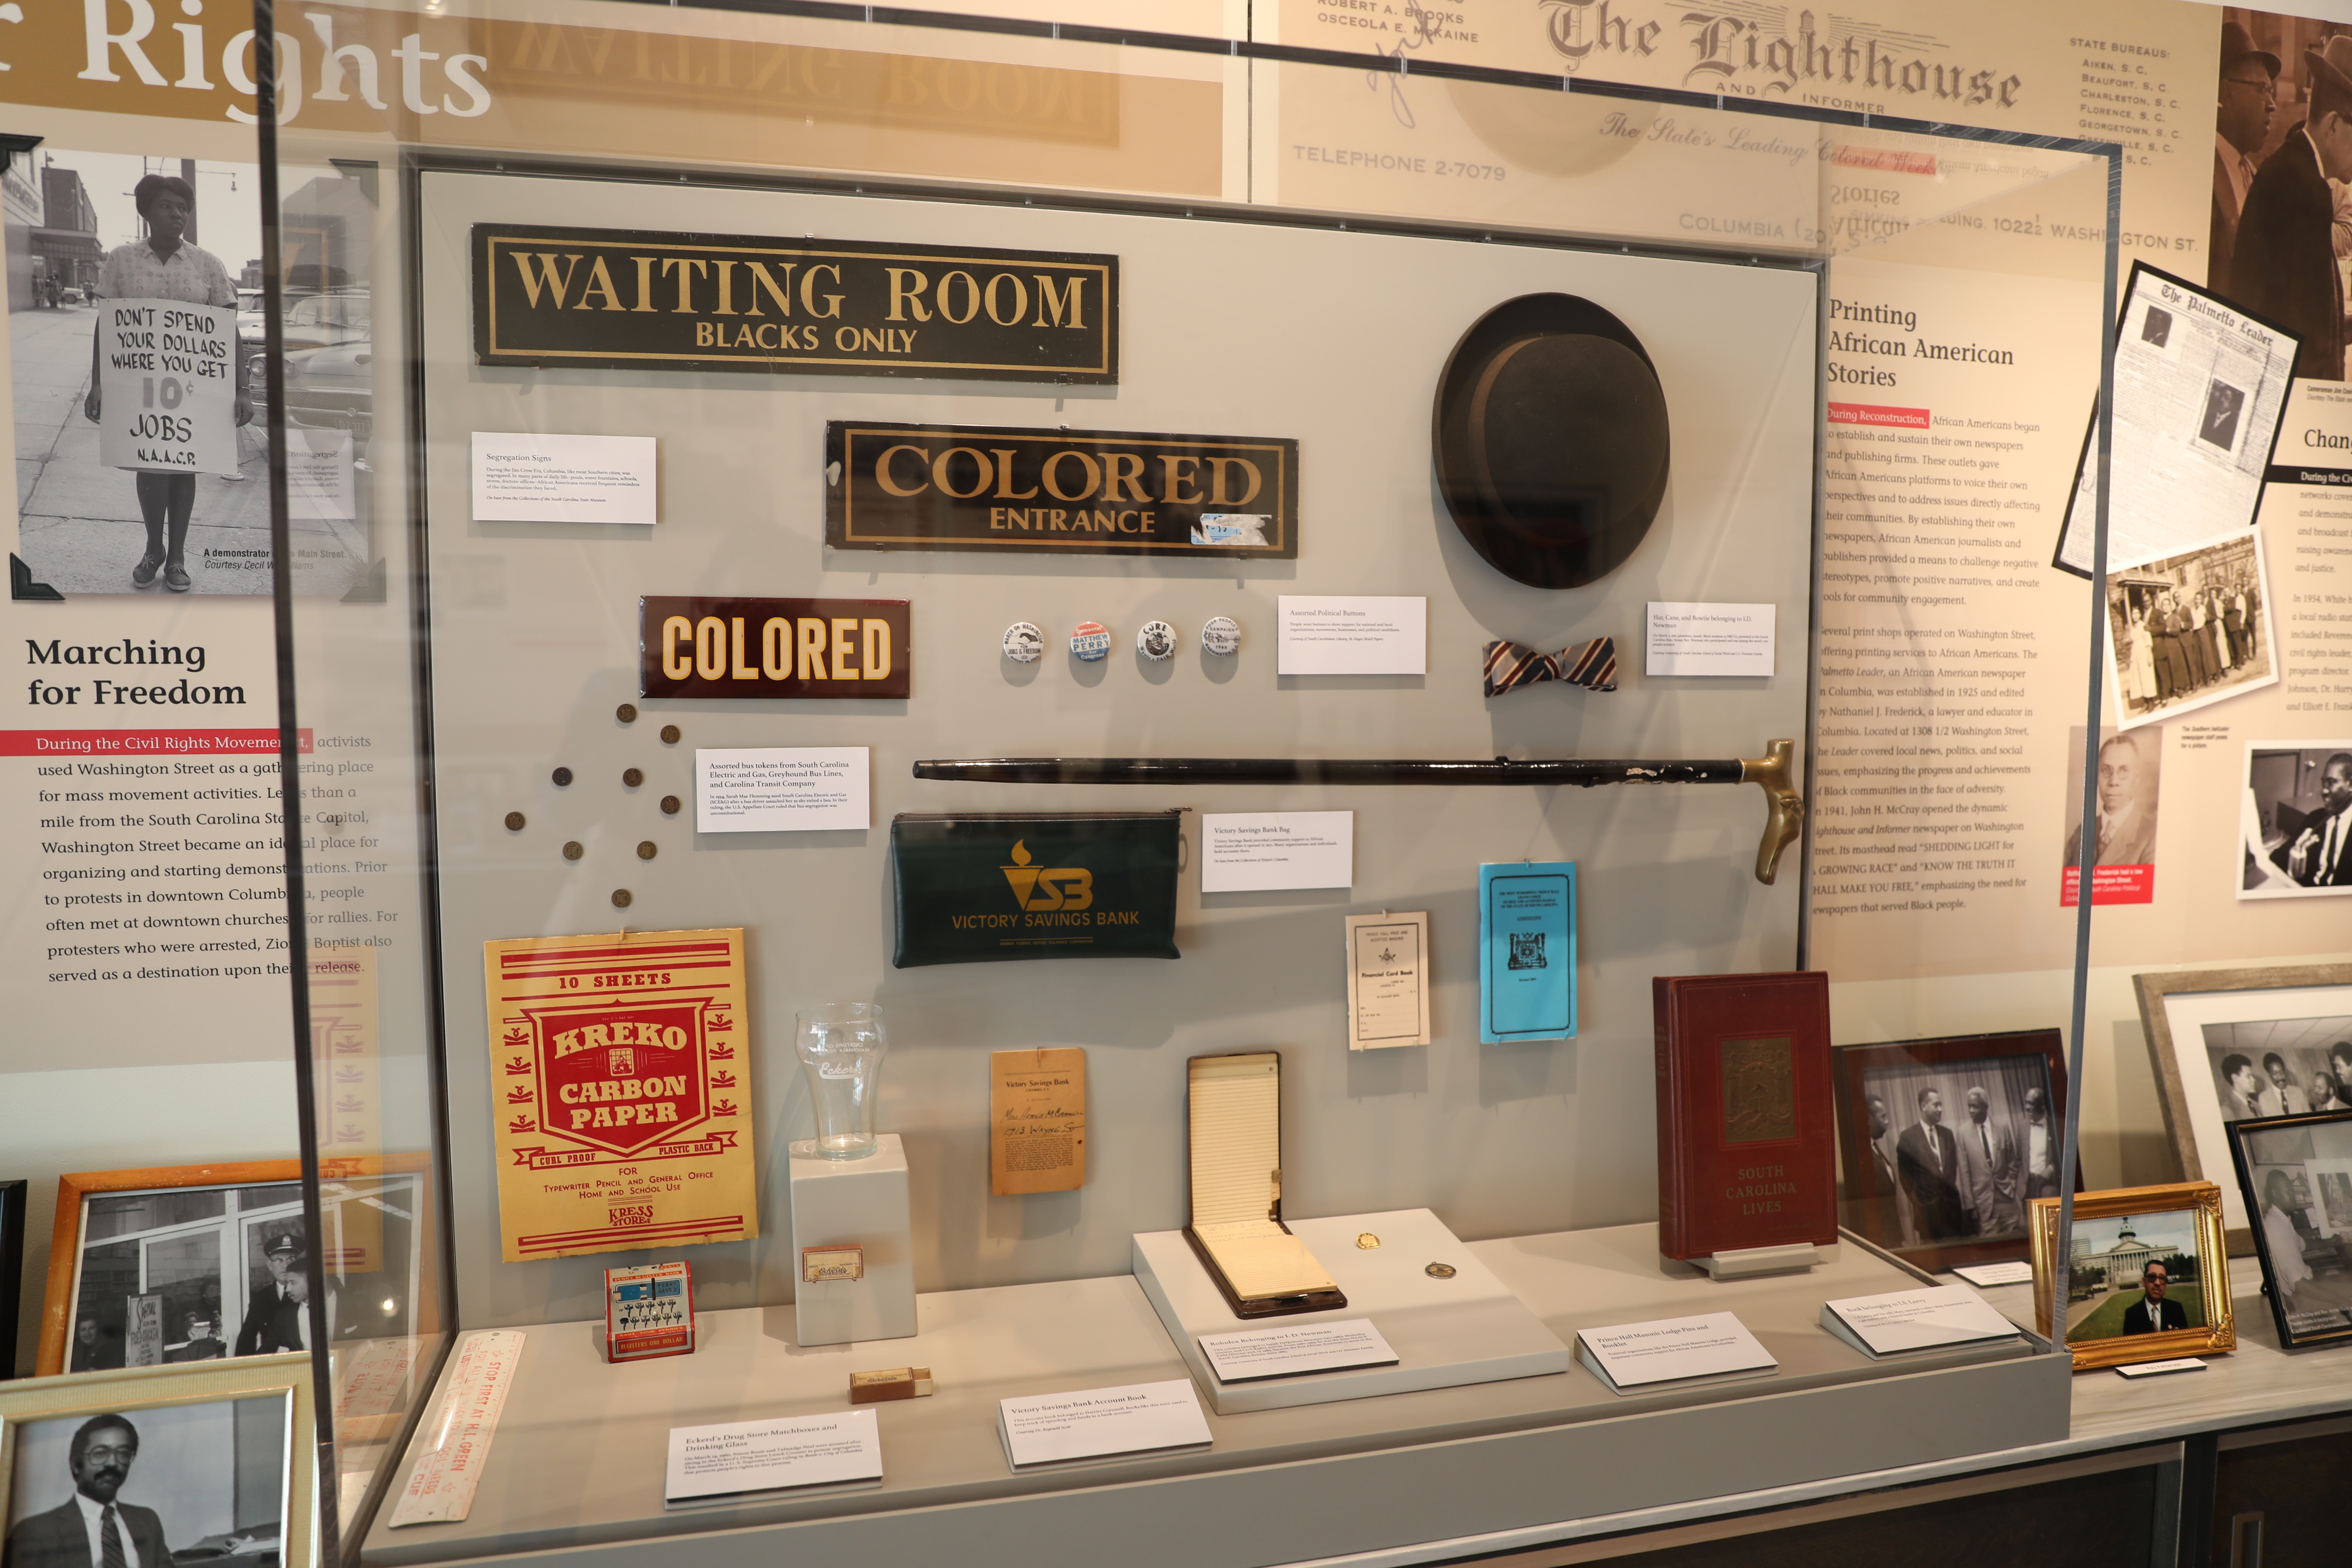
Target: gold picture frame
x=159 y=1404
x=2160 y=1225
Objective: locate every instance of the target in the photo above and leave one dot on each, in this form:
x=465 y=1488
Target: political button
x=1157 y=640
x=1221 y=636
x=1091 y=642
x=1024 y=644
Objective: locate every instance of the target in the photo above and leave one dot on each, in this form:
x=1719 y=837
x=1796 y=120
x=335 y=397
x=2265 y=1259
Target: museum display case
x=1281 y=793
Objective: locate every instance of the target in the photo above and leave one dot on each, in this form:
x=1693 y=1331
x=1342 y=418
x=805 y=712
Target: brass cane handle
x=1784 y=814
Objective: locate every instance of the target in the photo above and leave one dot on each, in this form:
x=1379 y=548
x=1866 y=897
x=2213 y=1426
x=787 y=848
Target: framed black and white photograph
x=161 y=1466
x=1946 y=1143
x=2295 y=1174
x=2296 y=821
x=2244 y=1044
x=2190 y=631
x=2147 y=1275
x=207 y=1262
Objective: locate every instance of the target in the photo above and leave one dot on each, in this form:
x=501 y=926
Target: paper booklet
x=1235 y=1106
x=1914 y=1320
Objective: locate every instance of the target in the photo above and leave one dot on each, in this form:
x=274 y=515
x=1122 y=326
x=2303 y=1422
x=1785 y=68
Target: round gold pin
x=1367 y=1240
x=1440 y=1271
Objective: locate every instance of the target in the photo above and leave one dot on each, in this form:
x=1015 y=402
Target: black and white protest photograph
x=1958 y=1144
x=2190 y=631
x=137 y=376
x=2280 y=1066
x=150 y=1488
x=2297 y=1182
x=2296 y=821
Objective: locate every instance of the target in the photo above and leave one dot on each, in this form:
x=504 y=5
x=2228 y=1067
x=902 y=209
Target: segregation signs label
x=167 y=386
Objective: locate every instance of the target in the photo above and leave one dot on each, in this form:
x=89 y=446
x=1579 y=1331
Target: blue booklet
x=1527 y=951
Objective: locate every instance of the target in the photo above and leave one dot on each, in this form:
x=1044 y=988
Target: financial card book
x=1527 y=951
x=1234 y=1126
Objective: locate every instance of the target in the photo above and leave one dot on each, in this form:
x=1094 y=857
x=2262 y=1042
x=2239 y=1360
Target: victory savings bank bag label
x=985 y=888
x=620 y=1089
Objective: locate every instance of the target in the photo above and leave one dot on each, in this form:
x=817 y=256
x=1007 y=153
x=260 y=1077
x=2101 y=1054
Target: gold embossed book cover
x=1746 y=1150
x=620 y=1087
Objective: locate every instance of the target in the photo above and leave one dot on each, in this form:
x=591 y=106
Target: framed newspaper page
x=620 y=1083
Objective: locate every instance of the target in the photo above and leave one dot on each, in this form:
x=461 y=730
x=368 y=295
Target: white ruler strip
x=440 y=1490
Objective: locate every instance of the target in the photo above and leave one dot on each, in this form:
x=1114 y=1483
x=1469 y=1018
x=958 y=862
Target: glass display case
x=1437 y=683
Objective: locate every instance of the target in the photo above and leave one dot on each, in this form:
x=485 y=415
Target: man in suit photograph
x=275 y=1320
x=2152 y=1313
x=1928 y=1158
x=1882 y=1178
x=1990 y=1170
x=2042 y=1136
x=2127 y=825
x=2246 y=101
x=2291 y=1100
x=2318 y=858
x=2247 y=1096
x=90 y=1530
x=2285 y=264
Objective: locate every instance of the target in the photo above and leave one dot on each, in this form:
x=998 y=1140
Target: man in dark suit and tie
x=90 y=1530
x=1929 y=1160
x=2284 y=265
x=1883 y=1180
x=2245 y=101
x=2318 y=856
x=276 y=1319
x=2153 y=1314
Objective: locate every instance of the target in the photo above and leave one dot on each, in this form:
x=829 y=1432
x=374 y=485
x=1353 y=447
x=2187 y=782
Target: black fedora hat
x=1550 y=436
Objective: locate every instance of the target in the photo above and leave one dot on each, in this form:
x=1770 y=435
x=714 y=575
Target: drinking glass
x=841 y=1046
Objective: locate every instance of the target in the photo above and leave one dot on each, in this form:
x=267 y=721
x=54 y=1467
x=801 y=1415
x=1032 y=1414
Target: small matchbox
x=648 y=1312
x=897 y=1383
x=820 y=1264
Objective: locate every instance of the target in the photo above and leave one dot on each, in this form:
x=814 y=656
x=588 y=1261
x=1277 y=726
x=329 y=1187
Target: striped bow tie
x=1591 y=665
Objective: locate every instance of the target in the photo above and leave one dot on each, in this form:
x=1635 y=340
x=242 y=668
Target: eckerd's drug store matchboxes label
x=620 y=1091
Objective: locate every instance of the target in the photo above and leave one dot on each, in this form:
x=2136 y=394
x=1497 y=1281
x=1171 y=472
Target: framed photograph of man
x=2148 y=1275
x=2296 y=821
x=1944 y=1142
x=204 y=1262
x=160 y=1466
x=2241 y=1045
x=2294 y=1173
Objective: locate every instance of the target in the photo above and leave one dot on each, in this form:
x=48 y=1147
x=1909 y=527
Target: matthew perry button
x=1157 y=640
x=1090 y=644
x=1221 y=636
x=1023 y=643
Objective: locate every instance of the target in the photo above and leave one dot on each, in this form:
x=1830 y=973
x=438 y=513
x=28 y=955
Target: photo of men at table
x=1961 y=1149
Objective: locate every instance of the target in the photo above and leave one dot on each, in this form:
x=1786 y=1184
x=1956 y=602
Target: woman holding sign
x=164 y=267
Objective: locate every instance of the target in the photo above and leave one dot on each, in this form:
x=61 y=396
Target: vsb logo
x=1039 y=888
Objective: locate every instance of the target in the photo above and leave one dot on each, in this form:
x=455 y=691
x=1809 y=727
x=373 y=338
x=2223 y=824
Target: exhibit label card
x=620 y=1091
x=1914 y=1320
x=735 y=1459
x=1097 y=1423
x=1673 y=1349
x=1332 y=634
x=781 y=789
x=1997 y=1273
x=1260 y=851
x=1709 y=639
x=1388 y=981
x=1527 y=951
x=1037 y=1121
x=1254 y=1354
x=522 y=478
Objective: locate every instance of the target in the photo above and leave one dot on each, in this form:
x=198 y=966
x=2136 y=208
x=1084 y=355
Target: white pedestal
x=1749 y=1262
x=1446 y=1332
x=860 y=1202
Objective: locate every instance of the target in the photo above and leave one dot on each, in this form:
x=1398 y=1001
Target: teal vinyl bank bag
x=987 y=887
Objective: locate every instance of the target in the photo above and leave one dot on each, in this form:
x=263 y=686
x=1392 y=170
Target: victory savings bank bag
x=994 y=886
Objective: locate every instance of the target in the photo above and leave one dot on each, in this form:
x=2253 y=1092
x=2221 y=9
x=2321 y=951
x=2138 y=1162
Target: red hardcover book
x=1747 y=1140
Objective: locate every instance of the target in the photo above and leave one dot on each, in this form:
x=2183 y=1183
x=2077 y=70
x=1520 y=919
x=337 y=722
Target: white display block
x=1446 y=1332
x=861 y=1202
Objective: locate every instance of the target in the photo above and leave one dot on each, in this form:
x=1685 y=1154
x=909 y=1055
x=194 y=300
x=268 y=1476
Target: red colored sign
x=2110 y=885
x=617 y=1075
x=1878 y=414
